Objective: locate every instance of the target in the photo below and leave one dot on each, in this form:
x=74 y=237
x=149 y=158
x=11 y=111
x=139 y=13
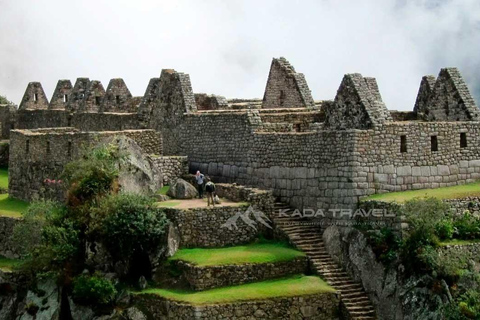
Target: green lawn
x=462 y=191
x=11 y=207
x=4 y=178
x=459 y=242
x=168 y=204
x=252 y=253
x=286 y=287
x=164 y=190
x=8 y=264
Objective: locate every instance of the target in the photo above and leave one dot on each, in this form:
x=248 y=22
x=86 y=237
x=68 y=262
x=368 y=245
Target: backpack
x=210 y=187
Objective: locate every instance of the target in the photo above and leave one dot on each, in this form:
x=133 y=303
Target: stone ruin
x=312 y=154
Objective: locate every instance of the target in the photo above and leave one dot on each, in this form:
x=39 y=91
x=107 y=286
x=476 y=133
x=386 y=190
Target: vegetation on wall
x=54 y=236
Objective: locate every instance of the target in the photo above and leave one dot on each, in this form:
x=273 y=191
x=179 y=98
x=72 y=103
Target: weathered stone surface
x=181 y=189
x=34 y=97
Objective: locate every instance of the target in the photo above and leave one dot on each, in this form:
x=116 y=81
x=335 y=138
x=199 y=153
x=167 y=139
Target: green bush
x=28 y=232
x=467 y=226
x=130 y=222
x=385 y=244
x=445 y=229
x=93 y=290
x=92 y=176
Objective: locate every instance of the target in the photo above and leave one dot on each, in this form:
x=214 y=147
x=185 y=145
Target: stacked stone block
x=60 y=95
x=150 y=98
x=210 y=102
x=117 y=98
x=77 y=96
x=286 y=88
x=93 y=97
x=34 y=98
x=450 y=99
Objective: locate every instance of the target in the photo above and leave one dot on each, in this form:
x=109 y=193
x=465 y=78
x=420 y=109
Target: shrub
x=92 y=176
x=425 y=212
x=93 y=290
x=130 y=223
x=385 y=244
x=467 y=226
x=28 y=232
x=444 y=229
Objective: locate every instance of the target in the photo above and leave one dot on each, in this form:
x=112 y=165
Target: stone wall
x=4 y=153
x=465 y=253
x=117 y=98
x=286 y=88
x=459 y=206
x=60 y=95
x=210 y=102
x=209 y=227
x=8 y=248
x=172 y=167
x=324 y=306
x=209 y=277
x=34 y=97
x=37 y=155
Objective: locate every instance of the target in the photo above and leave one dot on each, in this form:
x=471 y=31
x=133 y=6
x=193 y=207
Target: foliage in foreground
x=93 y=289
x=54 y=236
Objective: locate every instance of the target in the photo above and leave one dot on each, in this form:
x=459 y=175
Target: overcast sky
x=227 y=46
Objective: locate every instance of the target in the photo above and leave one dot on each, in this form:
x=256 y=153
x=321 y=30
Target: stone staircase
x=308 y=238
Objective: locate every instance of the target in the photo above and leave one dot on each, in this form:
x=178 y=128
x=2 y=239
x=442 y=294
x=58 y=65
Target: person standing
x=199 y=177
x=210 y=189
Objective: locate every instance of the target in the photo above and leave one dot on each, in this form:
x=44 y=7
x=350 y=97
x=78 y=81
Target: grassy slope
x=4 y=178
x=7 y=264
x=11 y=207
x=285 y=287
x=252 y=253
x=462 y=191
x=459 y=242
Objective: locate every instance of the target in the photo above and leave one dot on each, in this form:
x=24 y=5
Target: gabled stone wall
x=34 y=97
x=286 y=88
x=117 y=98
x=60 y=95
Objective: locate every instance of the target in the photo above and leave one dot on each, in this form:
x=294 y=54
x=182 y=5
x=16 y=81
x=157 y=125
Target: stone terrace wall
x=323 y=306
x=466 y=252
x=313 y=170
x=172 y=167
x=36 y=155
x=209 y=277
x=382 y=167
x=202 y=227
x=8 y=247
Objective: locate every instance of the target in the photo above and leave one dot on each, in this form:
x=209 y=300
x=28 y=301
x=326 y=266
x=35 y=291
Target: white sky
x=227 y=46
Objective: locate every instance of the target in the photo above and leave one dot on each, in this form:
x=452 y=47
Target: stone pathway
x=308 y=238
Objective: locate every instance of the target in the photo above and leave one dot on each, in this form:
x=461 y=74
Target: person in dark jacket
x=210 y=189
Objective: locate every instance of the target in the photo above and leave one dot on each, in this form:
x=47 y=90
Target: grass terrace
x=459 y=242
x=296 y=285
x=10 y=207
x=460 y=191
x=8 y=264
x=263 y=252
x=4 y=178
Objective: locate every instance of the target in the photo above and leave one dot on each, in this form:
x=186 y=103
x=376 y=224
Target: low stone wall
x=208 y=277
x=213 y=227
x=263 y=200
x=172 y=167
x=322 y=306
x=466 y=252
x=459 y=206
x=7 y=245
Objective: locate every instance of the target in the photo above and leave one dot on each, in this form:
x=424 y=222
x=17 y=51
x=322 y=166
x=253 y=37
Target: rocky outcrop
x=394 y=294
x=181 y=189
x=137 y=173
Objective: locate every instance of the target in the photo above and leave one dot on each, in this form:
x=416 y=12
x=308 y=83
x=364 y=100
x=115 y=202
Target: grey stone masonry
x=117 y=98
x=60 y=95
x=209 y=277
x=150 y=98
x=322 y=306
x=286 y=88
x=210 y=102
x=357 y=105
x=451 y=100
x=424 y=95
x=34 y=97
x=93 y=97
x=175 y=99
x=78 y=94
